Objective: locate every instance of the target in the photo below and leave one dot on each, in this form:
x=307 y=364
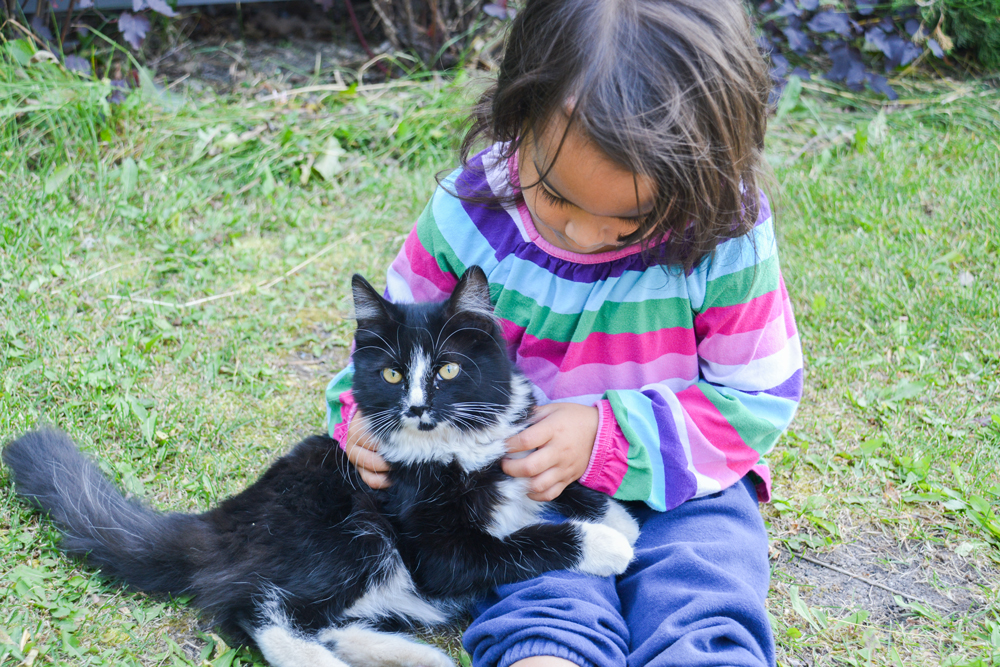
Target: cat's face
x=429 y=377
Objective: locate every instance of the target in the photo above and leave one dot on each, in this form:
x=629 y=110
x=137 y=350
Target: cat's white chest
x=515 y=509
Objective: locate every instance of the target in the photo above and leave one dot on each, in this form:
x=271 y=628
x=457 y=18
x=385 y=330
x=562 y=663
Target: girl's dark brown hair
x=672 y=89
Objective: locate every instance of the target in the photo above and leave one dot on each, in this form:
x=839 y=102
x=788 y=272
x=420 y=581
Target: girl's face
x=585 y=201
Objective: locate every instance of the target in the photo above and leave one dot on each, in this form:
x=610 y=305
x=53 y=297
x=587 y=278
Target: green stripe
x=758 y=434
x=743 y=285
x=434 y=243
x=638 y=480
x=611 y=318
x=338 y=385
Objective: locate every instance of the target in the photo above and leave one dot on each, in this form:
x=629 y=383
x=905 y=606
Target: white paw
x=605 y=550
x=619 y=519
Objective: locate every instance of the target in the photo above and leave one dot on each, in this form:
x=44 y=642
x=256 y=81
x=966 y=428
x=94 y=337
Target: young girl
x=633 y=265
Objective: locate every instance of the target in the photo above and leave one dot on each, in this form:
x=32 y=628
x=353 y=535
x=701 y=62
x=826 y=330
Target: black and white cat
x=310 y=563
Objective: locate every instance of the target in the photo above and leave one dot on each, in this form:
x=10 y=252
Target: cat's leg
x=283 y=645
x=578 y=502
x=360 y=646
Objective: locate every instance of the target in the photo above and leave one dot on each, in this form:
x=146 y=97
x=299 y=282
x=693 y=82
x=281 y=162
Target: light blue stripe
x=643 y=421
x=775 y=409
x=732 y=256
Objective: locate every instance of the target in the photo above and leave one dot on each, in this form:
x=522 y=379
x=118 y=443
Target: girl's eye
x=391 y=376
x=551 y=198
x=449 y=371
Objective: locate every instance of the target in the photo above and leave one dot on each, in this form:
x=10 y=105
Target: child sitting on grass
x=632 y=262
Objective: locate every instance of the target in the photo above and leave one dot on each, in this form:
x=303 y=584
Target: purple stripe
x=790 y=388
x=504 y=237
x=679 y=481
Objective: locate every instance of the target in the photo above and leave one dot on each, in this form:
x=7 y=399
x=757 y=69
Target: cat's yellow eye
x=449 y=371
x=391 y=376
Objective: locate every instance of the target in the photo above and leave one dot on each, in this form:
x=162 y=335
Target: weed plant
x=174 y=278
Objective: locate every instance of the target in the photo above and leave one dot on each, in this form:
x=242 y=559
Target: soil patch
x=931 y=572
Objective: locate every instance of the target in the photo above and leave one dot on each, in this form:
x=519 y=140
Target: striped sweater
x=695 y=375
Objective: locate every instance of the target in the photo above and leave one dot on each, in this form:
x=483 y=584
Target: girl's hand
x=563 y=434
x=362 y=451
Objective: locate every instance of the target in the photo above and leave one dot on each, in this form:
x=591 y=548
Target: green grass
x=119 y=225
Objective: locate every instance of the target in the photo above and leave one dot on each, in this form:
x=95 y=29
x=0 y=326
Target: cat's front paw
x=617 y=517
x=604 y=550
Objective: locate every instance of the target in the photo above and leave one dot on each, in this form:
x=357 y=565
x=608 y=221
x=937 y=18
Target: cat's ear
x=472 y=294
x=368 y=304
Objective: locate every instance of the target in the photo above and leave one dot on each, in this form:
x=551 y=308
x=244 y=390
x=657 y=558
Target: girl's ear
x=368 y=304
x=472 y=294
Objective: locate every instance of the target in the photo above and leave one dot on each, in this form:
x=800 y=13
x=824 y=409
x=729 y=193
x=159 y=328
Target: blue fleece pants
x=693 y=596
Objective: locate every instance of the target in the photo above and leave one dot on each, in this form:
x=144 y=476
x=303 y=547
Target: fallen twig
x=816 y=561
x=262 y=285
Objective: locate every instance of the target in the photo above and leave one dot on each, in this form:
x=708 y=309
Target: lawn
x=173 y=292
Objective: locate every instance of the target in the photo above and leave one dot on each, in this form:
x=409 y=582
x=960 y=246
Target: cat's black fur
x=308 y=560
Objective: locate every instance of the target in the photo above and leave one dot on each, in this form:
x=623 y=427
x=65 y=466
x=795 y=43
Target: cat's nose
x=417 y=410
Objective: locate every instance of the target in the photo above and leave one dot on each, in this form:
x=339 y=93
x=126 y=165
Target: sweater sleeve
x=663 y=446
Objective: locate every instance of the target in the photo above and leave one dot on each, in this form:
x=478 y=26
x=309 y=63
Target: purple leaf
x=789 y=8
x=766 y=7
x=935 y=48
x=40 y=29
x=910 y=52
x=117 y=96
x=161 y=7
x=84 y=4
x=798 y=41
x=877 y=38
x=802 y=73
x=878 y=83
x=133 y=28
x=912 y=26
x=78 y=64
x=894 y=52
x=810 y=5
x=847 y=67
x=865 y=7
x=496 y=11
x=780 y=66
x=831 y=21
x=765 y=44
x=139 y=5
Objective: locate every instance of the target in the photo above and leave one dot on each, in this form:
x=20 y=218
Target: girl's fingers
x=532 y=437
x=547 y=486
x=362 y=454
x=375 y=480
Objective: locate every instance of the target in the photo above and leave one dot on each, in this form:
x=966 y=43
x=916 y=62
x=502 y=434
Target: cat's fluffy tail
x=148 y=550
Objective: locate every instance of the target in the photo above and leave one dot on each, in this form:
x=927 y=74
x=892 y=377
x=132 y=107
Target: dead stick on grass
x=868 y=581
x=262 y=285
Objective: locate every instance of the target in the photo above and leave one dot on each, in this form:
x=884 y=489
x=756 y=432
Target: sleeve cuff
x=348 y=408
x=609 y=459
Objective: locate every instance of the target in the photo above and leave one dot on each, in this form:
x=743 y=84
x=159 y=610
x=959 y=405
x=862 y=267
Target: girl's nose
x=589 y=234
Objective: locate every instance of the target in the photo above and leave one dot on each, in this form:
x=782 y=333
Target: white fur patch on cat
x=284 y=648
x=397 y=598
x=417 y=373
x=605 y=550
x=359 y=645
x=444 y=443
x=619 y=519
x=516 y=510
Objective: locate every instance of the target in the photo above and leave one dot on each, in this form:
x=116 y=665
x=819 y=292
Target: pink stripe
x=610 y=349
x=717 y=450
x=740 y=317
x=609 y=460
x=421 y=271
x=598 y=378
x=742 y=348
